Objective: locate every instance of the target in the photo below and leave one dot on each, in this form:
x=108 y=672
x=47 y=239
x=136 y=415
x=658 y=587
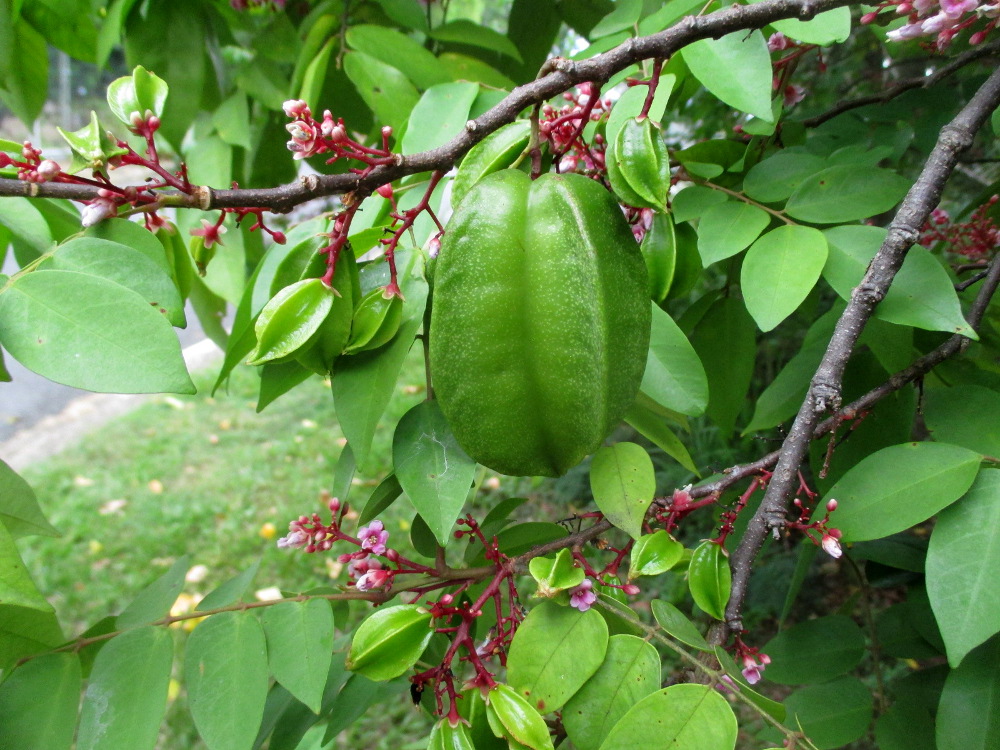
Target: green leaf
x=693 y=717
x=231 y=591
x=433 y=470
x=465 y=68
x=300 y=647
x=38 y=703
x=825 y=29
x=127 y=692
x=134 y=236
x=674 y=376
x=464 y=31
x=736 y=69
x=725 y=340
x=277 y=379
x=231 y=120
x=124 y=266
x=968 y=717
x=19 y=510
x=710 y=579
x=24 y=67
x=496 y=151
x=555 y=651
x=832 y=714
x=624 y=17
x=905 y=726
x=780 y=270
x=155 y=601
x=90 y=333
x=390 y=641
x=921 y=295
x=630 y=672
x=388 y=92
x=140 y=93
x=774 y=179
x=900 y=486
x=512 y=716
x=728 y=228
x=695 y=201
x=677 y=624
x=365 y=382
x=225 y=671
x=815 y=650
x=623 y=484
x=384 y=495
x=439 y=116
x=26 y=223
x=845 y=193
x=555 y=574
x=644 y=415
x=653 y=554
x=399 y=51
x=964 y=552
x=965 y=415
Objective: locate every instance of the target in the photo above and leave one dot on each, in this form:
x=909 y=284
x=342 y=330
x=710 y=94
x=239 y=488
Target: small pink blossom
x=96 y=211
x=211 y=232
x=305 y=139
x=753 y=668
x=296 y=108
x=957 y=8
x=903 y=33
x=294 y=539
x=373 y=537
x=373 y=579
x=582 y=597
x=831 y=543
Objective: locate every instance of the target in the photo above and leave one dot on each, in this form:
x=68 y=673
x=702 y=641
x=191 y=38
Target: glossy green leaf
x=674 y=376
x=155 y=601
x=38 y=703
x=496 y=151
x=965 y=415
x=433 y=470
x=963 y=554
x=90 y=333
x=231 y=591
x=776 y=178
x=511 y=716
x=653 y=554
x=439 y=116
x=19 y=510
x=693 y=717
x=900 y=486
x=127 y=692
x=725 y=341
x=465 y=68
x=365 y=382
x=728 y=228
x=968 y=717
x=140 y=92
x=677 y=624
x=623 y=484
x=736 y=69
x=815 y=650
x=26 y=223
x=780 y=270
x=623 y=18
x=400 y=51
x=464 y=31
x=844 y=193
x=385 y=494
x=710 y=579
x=388 y=92
x=24 y=67
x=647 y=419
x=92 y=146
x=555 y=651
x=232 y=121
x=921 y=295
x=832 y=714
x=130 y=268
x=905 y=726
x=135 y=236
x=277 y=379
x=225 y=672
x=555 y=574
x=695 y=201
x=825 y=29
x=630 y=672
x=390 y=641
x=300 y=647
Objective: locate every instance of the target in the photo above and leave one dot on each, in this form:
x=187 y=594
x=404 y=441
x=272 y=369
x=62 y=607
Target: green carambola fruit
x=290 y=319
x=540 y=321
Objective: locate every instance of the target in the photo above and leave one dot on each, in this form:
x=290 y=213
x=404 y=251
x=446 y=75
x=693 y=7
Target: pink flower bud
x=295 y=107
x=446 y=600
x=434 y=247
x=5 y=160
x=831 y=505
x=386 y=131
x=385 y=191
x=334 y=503
x=48 y=170
x=630 y=589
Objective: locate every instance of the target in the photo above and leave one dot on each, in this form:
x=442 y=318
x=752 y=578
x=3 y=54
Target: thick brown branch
x=966 y=58
x=824 y=391
x=564 y=75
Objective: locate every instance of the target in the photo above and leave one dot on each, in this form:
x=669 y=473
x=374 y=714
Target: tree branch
x=966 y=58
x=825 y=389
x=558 y=75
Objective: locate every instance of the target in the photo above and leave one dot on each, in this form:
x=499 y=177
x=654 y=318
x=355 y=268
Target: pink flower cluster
x=942 y=19
x=976 y=238
x=563 y=128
